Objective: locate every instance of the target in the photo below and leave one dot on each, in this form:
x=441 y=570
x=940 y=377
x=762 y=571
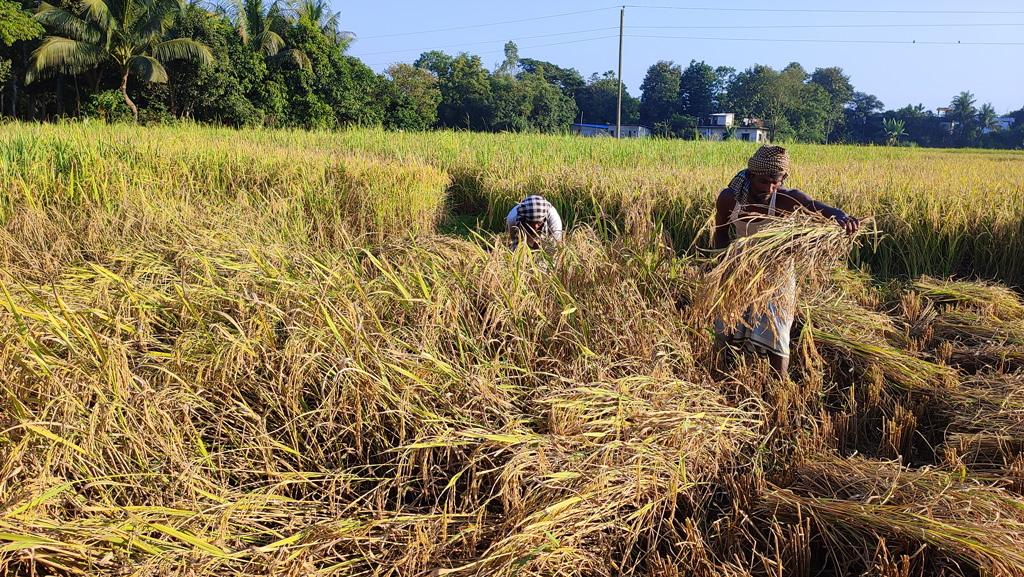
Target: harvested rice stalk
x=978 y=524
x=756 y=271
x=985 y=298
x=969 y=327
x=977 y=359
x=985 y=421
x=897 y=368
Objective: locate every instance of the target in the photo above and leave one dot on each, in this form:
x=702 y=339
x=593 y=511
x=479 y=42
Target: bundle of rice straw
x=757 y=270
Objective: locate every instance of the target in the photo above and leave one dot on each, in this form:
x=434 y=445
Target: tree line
x=284 y=64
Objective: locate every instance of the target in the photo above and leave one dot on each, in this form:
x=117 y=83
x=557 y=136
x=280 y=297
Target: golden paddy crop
x=253 y=353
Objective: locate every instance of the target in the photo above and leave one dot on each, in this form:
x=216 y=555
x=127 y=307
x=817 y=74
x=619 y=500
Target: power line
x=733 y=39
x=492 y=41
x=827 y=11
x=776 y=26
x=489 y=24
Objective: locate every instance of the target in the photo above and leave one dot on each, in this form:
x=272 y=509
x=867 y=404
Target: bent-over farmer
x=534 y=220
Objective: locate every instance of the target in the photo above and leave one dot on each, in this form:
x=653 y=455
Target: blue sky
x=902 y=52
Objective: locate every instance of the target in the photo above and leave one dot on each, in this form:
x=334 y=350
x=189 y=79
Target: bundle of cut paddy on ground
x=855 y=500
x=981 y=297
x=985 y=422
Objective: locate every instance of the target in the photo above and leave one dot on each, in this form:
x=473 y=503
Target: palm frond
x=148 y=69
x=62 y=55
x=59 y=21
x=268 y=42
x=157 y=19
x=183 y=48
x=100 y=12
x=293 y=56
x=257 y=15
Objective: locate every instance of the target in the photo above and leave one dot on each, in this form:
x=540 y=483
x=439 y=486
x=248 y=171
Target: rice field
x=288 y=353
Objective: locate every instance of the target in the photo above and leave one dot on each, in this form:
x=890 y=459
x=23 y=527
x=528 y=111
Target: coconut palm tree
x=319 y=13
x=132 y=34
x=962 y=110
x=986 y=117
x=255 y=21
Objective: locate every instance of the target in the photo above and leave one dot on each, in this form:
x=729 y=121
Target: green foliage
x=418 y=91
x=840 y=93
x=660 y=88
x=700 y=87
x=793 y=107
x=131 y=35
x=963 y=112
x=230 y=91
x=857 y=117
x=16 y=24
x=598 y=101
x=336 y=90
x=107 y=105
x=568 y=80
x=466 y=99
x=893 y=131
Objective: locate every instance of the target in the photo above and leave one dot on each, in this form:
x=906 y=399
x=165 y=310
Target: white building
x=750 y=129
x=628 y=130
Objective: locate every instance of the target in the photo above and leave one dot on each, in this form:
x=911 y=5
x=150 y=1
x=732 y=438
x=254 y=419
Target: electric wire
x=831 y=41
x=827 y=10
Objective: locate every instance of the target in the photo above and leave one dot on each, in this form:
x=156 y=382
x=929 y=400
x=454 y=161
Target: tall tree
x=465 y=89
x=698 y=90
x=319 y=13
x=660 y=93
x=757 y=92
x=840 y=93
x=260 y=25
x=598 y=101
x=336 y=90
x=986 y=117
x=859 y=111
x=511 y=63
x=962 y=111
x=131 y=34
x=568 y=80
x=419 y=86
x=232 y=91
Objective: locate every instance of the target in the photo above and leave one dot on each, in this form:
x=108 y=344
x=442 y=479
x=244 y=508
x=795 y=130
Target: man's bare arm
x=849 y=223
x=723 y=209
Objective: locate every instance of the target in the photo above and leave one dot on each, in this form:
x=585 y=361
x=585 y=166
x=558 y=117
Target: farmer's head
x=533 y=212
x=767 y=169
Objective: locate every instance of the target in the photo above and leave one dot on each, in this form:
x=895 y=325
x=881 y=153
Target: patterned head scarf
x=768 y=159
x=533 y=209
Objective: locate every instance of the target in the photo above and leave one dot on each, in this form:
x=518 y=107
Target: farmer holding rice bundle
x=754 y=194
x=534 y=220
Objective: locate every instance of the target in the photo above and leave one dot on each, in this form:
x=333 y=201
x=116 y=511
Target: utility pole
x=618 y=114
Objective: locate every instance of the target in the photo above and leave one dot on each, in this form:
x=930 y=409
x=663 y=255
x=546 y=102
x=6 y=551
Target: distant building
x=721 y=124
x=628 y=130
x=944 y=123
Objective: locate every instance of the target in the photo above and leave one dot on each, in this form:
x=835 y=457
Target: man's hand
x=850 y=224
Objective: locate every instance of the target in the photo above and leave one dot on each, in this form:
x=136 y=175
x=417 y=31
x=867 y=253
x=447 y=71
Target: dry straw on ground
x=248 y=379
